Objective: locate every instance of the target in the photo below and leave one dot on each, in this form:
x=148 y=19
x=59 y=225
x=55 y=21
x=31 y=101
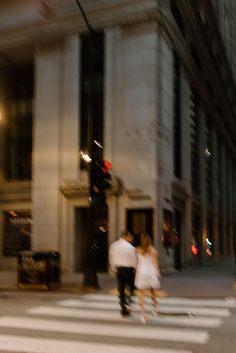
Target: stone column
x=113 y=90
x=227 y=216
x=46 y=147
x=70 y=118
x=234 y=207
x=203 y=195
x=223 y=199
x=69 y=147
x=214 y=188
x=112 y=112
x=230 y=210
x=3 y=117
x=164 y=149
x=186 y=171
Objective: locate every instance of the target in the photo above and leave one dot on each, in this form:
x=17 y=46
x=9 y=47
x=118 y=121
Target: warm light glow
x=85 y=157
x=97 y=143
x=106 y=166
x=194 y=249
x=208 y=242
x=208 y=247
x=209 y=252
x=207 y=152
x=12 y=213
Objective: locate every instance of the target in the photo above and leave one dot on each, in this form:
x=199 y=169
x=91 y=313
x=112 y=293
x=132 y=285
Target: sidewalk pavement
x=214 y=280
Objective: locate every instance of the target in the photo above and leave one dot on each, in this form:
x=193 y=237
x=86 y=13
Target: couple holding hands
x=136 y=268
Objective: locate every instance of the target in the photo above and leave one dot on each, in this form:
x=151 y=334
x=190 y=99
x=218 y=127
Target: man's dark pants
x=125 y=277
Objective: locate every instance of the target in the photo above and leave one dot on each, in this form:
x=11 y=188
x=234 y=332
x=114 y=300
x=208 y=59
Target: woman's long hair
x=145 y=242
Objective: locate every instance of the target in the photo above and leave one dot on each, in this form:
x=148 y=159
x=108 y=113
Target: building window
x=196 y=243
x=208 y=162
x=139 y=221
x=17 y=235
x=219 y=175
x=167 y=231
x=227 y=181
x=221 y=237
x=194 y=137
x=19 y=123
x=209 y=246
x=177 y=115
x=92 y=92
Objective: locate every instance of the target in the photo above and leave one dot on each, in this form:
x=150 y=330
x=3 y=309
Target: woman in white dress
x=147 y=274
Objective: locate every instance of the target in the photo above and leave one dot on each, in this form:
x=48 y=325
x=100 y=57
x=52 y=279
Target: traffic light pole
x=89 y=272
x=90 y=276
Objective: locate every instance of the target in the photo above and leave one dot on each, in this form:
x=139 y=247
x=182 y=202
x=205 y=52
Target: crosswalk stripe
x=79 y=303
x=11 y=343
x=135 y=332
x=226 y=302
x=203 y=322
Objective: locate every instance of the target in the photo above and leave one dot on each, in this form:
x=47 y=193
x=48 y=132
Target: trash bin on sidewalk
x=38 y=270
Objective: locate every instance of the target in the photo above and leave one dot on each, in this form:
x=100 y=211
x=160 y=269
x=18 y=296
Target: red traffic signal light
x=101 y=177
x=106 y=166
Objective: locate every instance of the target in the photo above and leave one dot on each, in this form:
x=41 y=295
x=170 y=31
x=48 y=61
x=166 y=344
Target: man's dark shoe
x=125 y=312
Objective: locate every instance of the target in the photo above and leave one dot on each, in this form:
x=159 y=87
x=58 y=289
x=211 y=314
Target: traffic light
x=97 y=199
x=101 y=176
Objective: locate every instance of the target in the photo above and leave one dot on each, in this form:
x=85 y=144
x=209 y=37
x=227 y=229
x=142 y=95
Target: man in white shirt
x=123 y=260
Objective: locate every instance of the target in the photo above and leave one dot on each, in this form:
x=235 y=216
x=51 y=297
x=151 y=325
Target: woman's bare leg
x=154 y=300
x=142 y=294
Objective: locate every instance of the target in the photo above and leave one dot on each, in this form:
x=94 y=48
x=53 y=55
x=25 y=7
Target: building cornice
x=137 y=195
x=76 y=189
x=68 y=20
x=15 y=192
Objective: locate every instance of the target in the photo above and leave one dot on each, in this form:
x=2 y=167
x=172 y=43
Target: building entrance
x=177 y=237
x=139 y=221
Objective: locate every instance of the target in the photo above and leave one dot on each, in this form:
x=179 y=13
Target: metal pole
x=91 y=30
x=90 y=276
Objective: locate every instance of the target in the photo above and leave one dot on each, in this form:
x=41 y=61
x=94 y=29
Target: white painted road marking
x=166 y=309
x=22 y=344
x=98 y=317
x=225 y=302
x=121 y=331
x=203 y=322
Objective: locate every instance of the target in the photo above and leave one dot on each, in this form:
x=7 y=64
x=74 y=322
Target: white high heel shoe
x=143 y=319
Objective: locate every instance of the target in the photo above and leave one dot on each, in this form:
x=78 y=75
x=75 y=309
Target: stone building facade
x=162 y=92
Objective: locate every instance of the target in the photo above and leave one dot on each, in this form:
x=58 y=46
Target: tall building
x=147 y=85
